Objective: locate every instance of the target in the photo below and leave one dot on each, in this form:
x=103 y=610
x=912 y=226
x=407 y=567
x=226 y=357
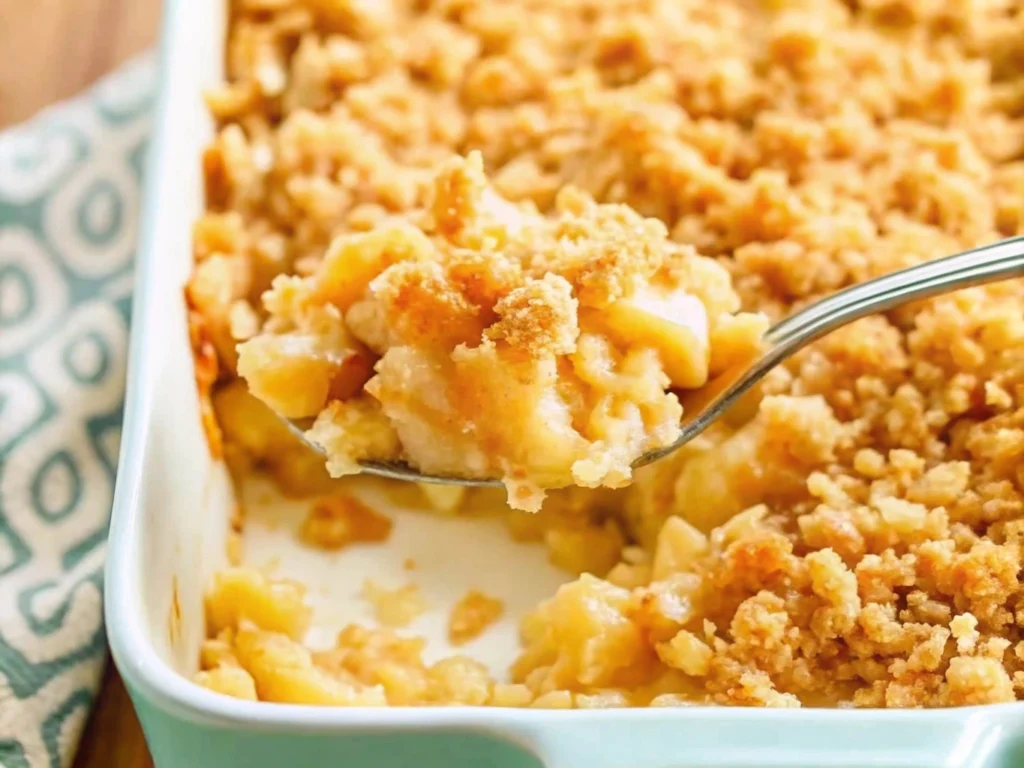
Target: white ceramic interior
x=451 y=556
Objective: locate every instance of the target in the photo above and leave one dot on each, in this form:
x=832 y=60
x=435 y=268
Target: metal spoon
x=985 y=264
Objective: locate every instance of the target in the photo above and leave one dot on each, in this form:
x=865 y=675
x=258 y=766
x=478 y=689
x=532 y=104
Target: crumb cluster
x=336 y=522
x=472 y=615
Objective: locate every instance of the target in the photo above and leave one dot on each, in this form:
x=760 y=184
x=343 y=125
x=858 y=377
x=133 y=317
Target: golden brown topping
x=353 y=261
x=538 y=318
x=471 y=616
x=338 y=521
x=424 y=309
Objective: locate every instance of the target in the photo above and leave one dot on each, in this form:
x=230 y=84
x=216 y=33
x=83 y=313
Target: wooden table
x=49 y=50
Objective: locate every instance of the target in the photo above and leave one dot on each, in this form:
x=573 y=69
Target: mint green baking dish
x=168 y=535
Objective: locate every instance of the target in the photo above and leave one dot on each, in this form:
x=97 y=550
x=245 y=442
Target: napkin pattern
x=69 y=197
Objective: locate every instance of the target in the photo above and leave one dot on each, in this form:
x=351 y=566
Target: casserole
x=170 y=520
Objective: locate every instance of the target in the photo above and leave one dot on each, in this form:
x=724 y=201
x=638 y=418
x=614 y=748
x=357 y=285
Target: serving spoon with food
x=988 y=263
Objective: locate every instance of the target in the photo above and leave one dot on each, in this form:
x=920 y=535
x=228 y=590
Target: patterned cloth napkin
x=69 y=199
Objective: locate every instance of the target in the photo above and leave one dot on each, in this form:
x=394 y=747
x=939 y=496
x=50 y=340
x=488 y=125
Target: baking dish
x=168 y=532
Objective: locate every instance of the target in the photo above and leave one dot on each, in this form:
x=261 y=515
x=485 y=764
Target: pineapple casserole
x=492 y=238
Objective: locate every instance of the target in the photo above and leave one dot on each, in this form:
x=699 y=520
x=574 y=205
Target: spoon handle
x=988 y=263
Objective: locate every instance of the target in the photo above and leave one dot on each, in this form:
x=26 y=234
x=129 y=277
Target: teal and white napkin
x=69 y=202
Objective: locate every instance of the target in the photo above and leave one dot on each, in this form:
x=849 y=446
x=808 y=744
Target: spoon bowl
x=702 y=407
x=393 y=470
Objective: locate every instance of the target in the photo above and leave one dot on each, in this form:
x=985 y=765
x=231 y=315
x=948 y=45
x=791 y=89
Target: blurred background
x=51 y=50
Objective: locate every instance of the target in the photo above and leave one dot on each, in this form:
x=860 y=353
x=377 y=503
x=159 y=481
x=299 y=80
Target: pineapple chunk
x=679 y=545
x=353 y=261
x=284 y=671
x=296 y=375
x=243 y=594
x=351 y=431
x=229 y=681
x=673 y=323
